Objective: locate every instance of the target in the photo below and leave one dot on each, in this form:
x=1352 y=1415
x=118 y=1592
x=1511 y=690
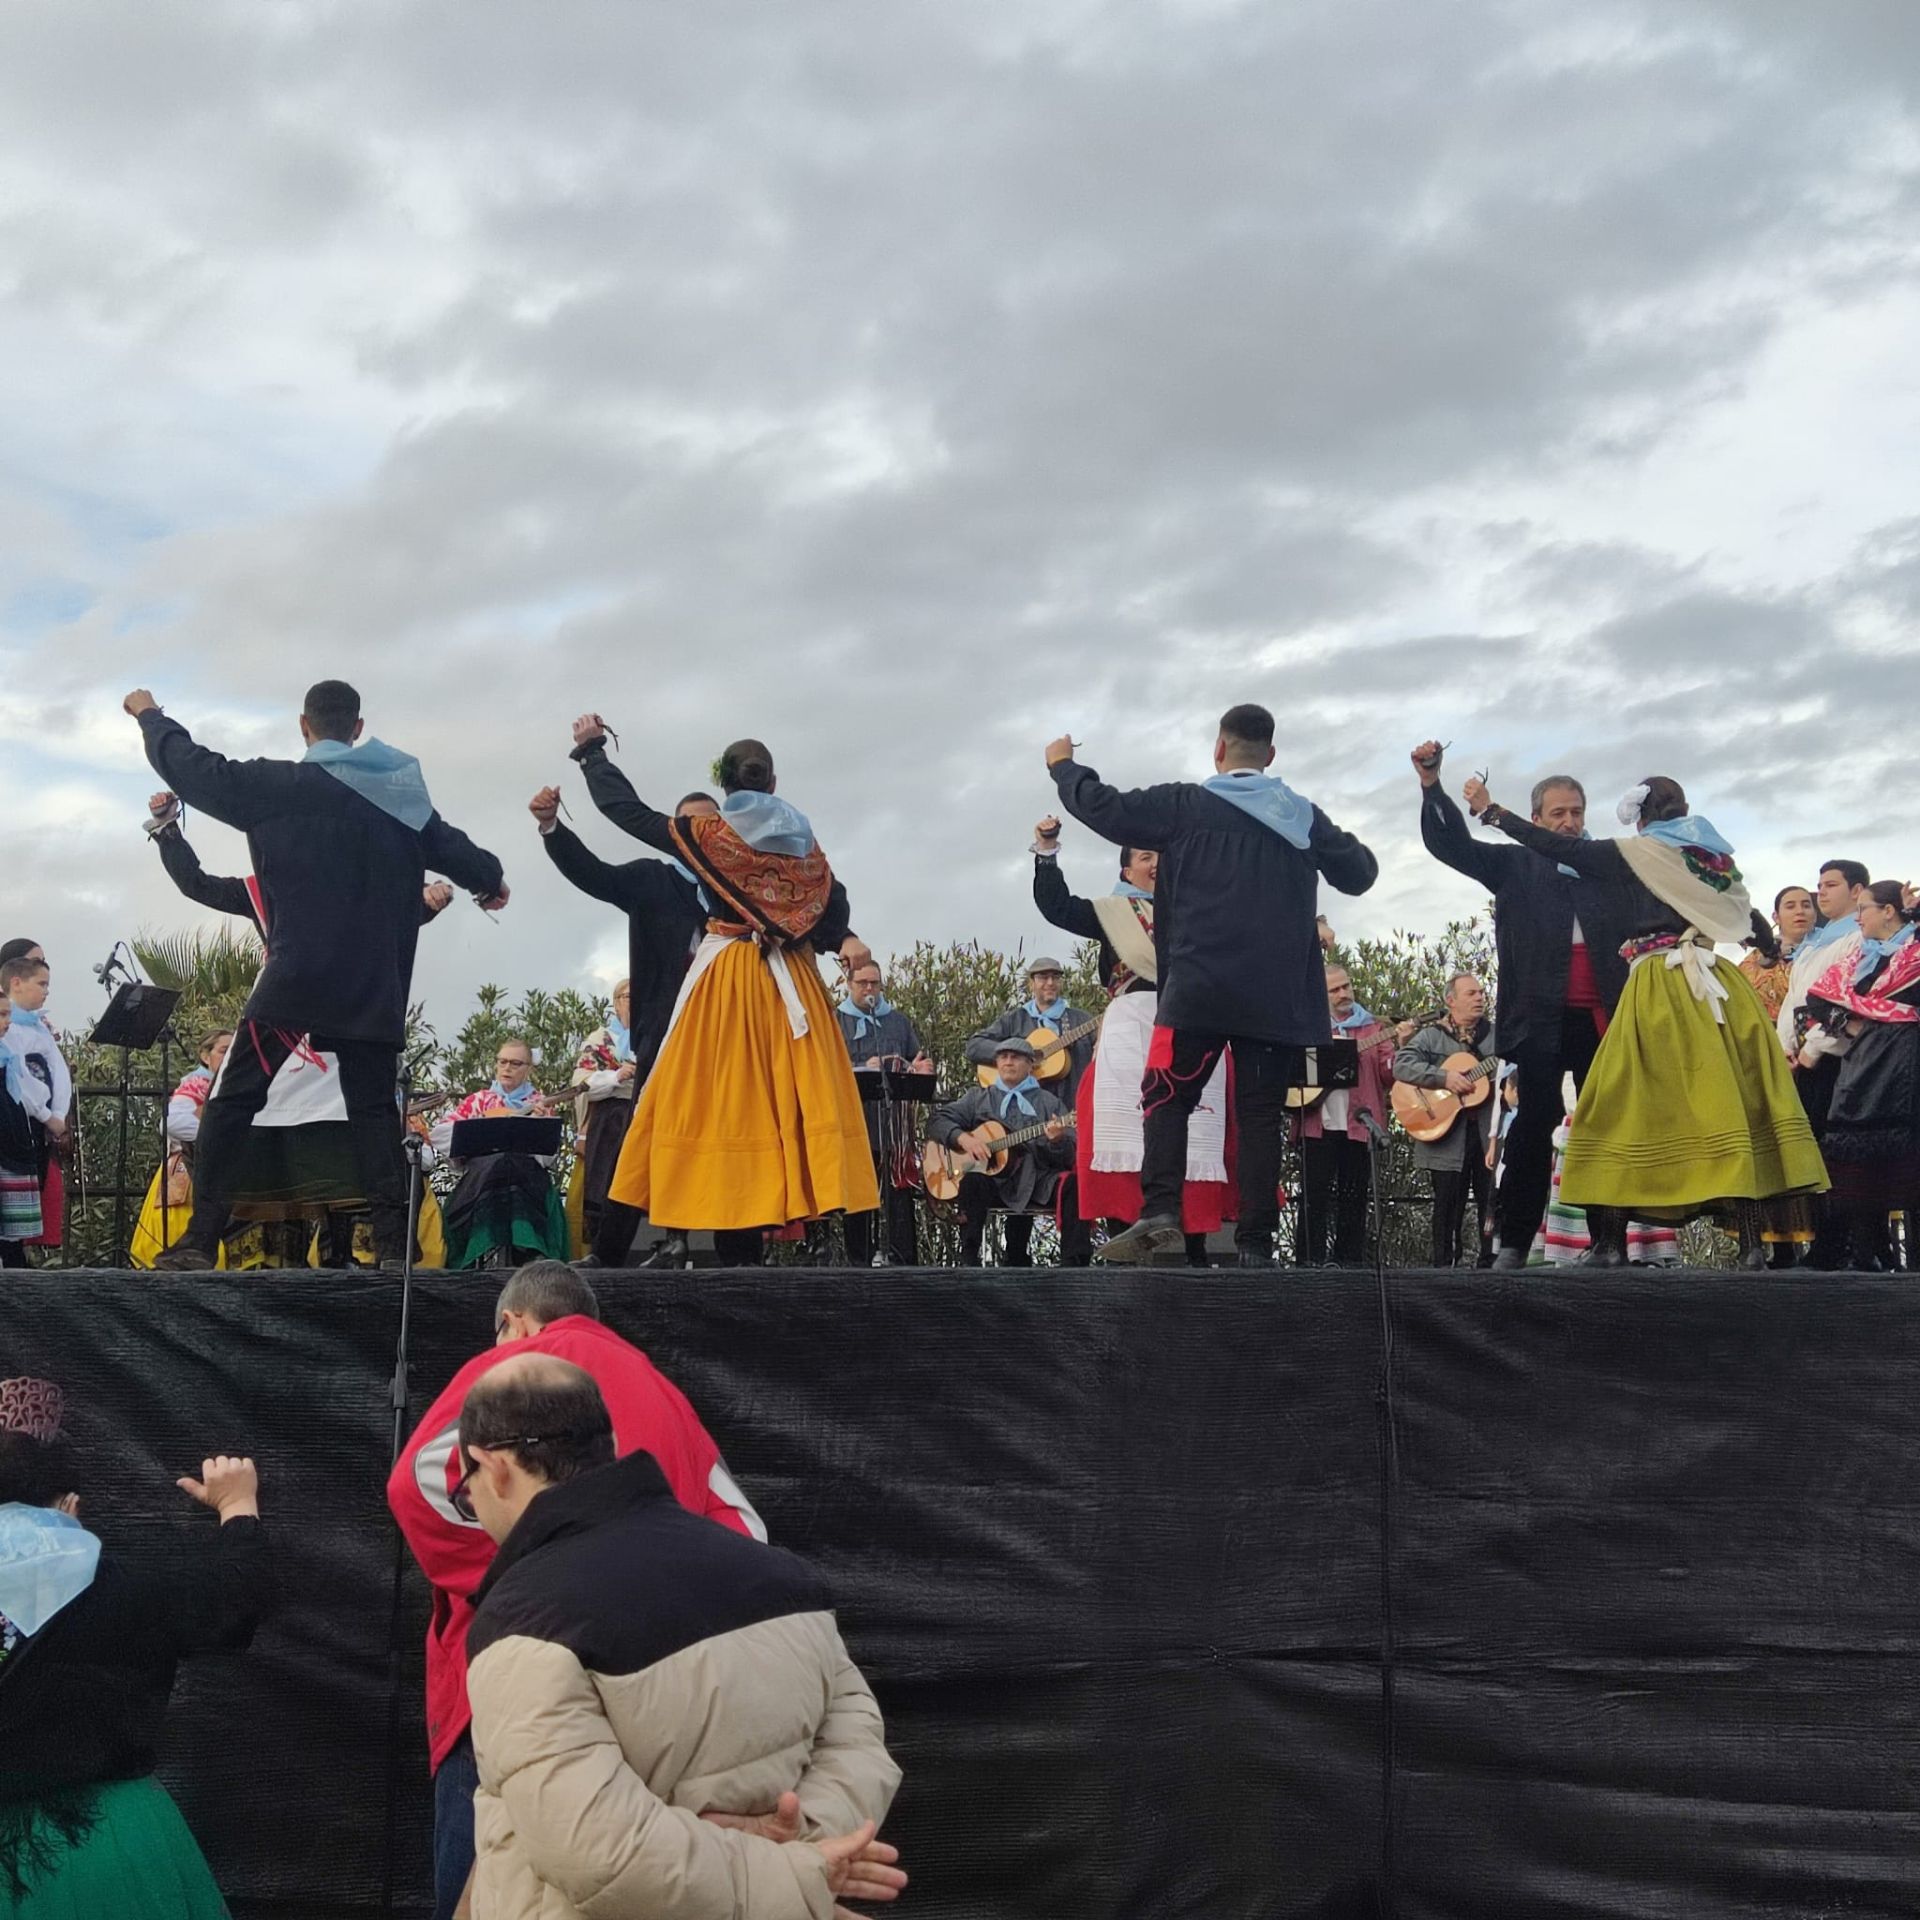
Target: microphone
x=110 y=968
x=1375 y=1131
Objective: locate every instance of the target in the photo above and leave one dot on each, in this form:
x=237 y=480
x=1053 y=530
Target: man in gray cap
x=1045 y=1019
x=1037 y=1176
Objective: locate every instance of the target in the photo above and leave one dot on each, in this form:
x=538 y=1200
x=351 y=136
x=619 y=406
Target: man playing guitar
x=1045 y=1012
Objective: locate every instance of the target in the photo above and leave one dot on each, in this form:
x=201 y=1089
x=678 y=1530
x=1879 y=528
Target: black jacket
x=613 y=794
x=664 y=922
x=341 y=881
x=90 y=1692
x=1061 y=907
x=219 y=892
x=1034 y=1170
x=1534 y=905
x=1235 y=905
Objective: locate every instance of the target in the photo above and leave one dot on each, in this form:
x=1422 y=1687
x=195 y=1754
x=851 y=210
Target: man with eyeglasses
x=545 y=1308
x=878 y=1034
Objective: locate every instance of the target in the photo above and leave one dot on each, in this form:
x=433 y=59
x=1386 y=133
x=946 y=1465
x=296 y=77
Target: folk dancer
x=506 y=1207
x=44 y=1089
x=1336 y=1147
x=750 y=1119
x=1871 y=1002
x=1035 y=1174
x=1109 y=1135
x=341 y=841
x=1045 y=1010
x=1690 y=1104
x=1558 y=936
x=879 y=1036
x=1458 y=1162
x=666 y=920
x=1238 y=953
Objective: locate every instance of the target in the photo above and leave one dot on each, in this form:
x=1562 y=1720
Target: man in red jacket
x=545 y=1308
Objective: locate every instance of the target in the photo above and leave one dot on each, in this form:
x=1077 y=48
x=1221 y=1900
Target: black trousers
x=1451 y=1189
x=368 y=1085
x=1526 y=1167
x=980 y=1195
x=902 y=1242
x=1263 y=1070
x=1334 y=1182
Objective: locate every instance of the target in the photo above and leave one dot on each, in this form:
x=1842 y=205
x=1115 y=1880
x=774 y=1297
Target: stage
x=1110 y=1549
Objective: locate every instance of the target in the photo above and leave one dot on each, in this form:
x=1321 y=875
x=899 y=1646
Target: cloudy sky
x=908 y=383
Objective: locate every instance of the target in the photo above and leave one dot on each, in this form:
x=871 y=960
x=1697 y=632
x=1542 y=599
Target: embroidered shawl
x=1719 y=907
x=777 y=897
x=1900 y=975
x=1128 y=925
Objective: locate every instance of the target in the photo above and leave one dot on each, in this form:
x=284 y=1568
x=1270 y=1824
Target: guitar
x=1428 y=1113
x=942 y=1168
x=1050 y=1056
x=1303 y=1099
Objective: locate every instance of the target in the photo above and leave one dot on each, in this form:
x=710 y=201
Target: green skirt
x=1681 y=1110
x=136 y=1862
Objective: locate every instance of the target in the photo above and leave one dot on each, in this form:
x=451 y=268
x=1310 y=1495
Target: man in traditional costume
x=1237 y=946
x=1038 y=1176
x=1110 y=1135
x=341 y=841
x=1047 y=1012
x=666 y=918
x=879 y=1036
x=1558 y=936
x=1689 y=1104
x=750 y=1119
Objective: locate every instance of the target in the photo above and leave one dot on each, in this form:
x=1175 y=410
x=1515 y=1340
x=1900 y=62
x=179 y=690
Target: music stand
x=138 y=1015
x=504 y=1133
x=1331 y=1066
x=892 y=1089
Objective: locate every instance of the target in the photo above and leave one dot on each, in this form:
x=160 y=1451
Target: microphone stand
x=1383 y=1402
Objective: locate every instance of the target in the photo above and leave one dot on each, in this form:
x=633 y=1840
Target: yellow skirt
x=740 y=1124
x=1680 y=1110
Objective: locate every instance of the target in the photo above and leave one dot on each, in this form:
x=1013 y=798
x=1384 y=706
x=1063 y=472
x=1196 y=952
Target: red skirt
x=1204 y=1204
x=53 y=1206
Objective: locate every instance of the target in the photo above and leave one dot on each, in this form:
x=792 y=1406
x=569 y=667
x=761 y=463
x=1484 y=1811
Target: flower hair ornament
x=1628 y=811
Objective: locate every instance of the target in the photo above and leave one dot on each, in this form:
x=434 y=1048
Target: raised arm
x=449 y=851
x=204 y=889
x=239 y=792
x=580 y=866
x=1444 y=830
x=1345 y=862
x=1059 y=905
x=1146 y=817
x=612 y=792
x=1591 y=859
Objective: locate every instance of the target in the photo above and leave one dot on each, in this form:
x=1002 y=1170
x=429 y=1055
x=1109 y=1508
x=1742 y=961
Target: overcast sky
x=908 y=383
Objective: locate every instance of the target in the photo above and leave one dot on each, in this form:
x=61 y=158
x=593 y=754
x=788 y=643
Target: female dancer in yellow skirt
x=1690 y=1103
x=750 y=1118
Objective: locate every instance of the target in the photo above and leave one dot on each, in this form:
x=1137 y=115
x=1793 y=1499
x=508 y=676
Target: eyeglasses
x=461 y=1498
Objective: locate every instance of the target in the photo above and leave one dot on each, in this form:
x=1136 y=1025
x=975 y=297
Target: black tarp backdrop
x=1108 y=1549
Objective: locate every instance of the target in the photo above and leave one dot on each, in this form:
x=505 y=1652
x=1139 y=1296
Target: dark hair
x=1851 y=871
x=1251 y=726
x=1796 y=887
x=1541 y=788
x=35 y=1472
x=1126 y=860
x=687 y=799
x=20 y=969
x=1666 y=800
x=17 y=950
x=746 y=767
x=553 y=1405
x=1890 y=893
x=547 y=1290
x=331 y=709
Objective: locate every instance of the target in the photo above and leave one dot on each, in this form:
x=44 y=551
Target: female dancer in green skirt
x=88 y=1646
x=1690 y=1104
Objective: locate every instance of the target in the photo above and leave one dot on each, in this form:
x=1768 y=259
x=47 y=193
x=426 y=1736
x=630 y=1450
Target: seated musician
x=1044 y=1011
x=160 y=1225
x=878 y=1034
x=1038 y=1175
x=1457 y=1160
x=1111 y=1132
x=505 y=1209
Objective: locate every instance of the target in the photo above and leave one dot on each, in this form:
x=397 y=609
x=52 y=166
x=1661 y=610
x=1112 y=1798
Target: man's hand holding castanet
x=1046 y=833
x=139 y=701
x=589 y=730
x=1475 y=794
x=1058 y=750
x=1427 y=757
x=545 y=808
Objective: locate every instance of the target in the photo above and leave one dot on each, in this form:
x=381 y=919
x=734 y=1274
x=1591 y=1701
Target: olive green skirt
x=1681 y=1110
x=136 y=1861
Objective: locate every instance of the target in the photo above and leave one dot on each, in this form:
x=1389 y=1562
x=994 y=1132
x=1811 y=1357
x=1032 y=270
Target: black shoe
x=588 y=1263
x=1509 y=1259
x=1253 y=1257
x=671 y=1252
x=1137 y=1246
x=1608 y=1228
x=185 y=1257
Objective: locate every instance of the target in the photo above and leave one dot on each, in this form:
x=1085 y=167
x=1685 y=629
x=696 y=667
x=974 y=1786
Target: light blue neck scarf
x=1696 y=831
x=1827 y=935
x=524 y=1095
x=29 y=1017
x=1359 y=1017
x=1011 y=1097
x=14 y=1067
x=1269 y=800
x=1050 y=1018
x=687 y=874
x=1560 y=866
x=392 y=780
x=1126 y=890
x=622 y=1037
x=47 y=1561
x=768 y=824
x=867 y=1020
x=1873 y=951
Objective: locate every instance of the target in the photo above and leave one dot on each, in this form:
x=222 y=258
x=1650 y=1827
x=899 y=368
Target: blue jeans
x=453 y=1788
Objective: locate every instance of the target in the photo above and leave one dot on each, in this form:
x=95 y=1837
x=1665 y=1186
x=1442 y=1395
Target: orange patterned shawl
x=771 y=895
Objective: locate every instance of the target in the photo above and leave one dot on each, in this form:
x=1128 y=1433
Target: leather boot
x=1607 y=1231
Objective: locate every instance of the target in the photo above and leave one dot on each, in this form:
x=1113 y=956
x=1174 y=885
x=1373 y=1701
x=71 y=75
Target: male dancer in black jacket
x=1235 y=934
x=341 y=843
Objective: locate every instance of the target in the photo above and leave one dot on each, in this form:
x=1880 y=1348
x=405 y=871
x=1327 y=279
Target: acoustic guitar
x=1428 y=1113
x=1050 y=1056
x=943 y=1168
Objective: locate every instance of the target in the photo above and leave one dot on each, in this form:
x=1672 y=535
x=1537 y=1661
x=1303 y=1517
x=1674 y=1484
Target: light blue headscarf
x=47 y=1561
x=1696 y=830
x=1010 y=1097
x=881 y=1008
x=1269 y=800
x=392 y=780
x=768 y=824
x=1873 y=951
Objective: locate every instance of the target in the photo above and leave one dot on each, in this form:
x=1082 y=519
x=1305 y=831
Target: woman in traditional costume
x=1871 y=1001
x=169 y=1202
x=1690 y=1104
x=603 y=1089
x=89 y=1642
x=751 y=1117
x=1769 y=966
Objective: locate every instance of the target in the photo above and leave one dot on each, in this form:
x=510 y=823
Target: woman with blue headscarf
x=1689 y=1104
